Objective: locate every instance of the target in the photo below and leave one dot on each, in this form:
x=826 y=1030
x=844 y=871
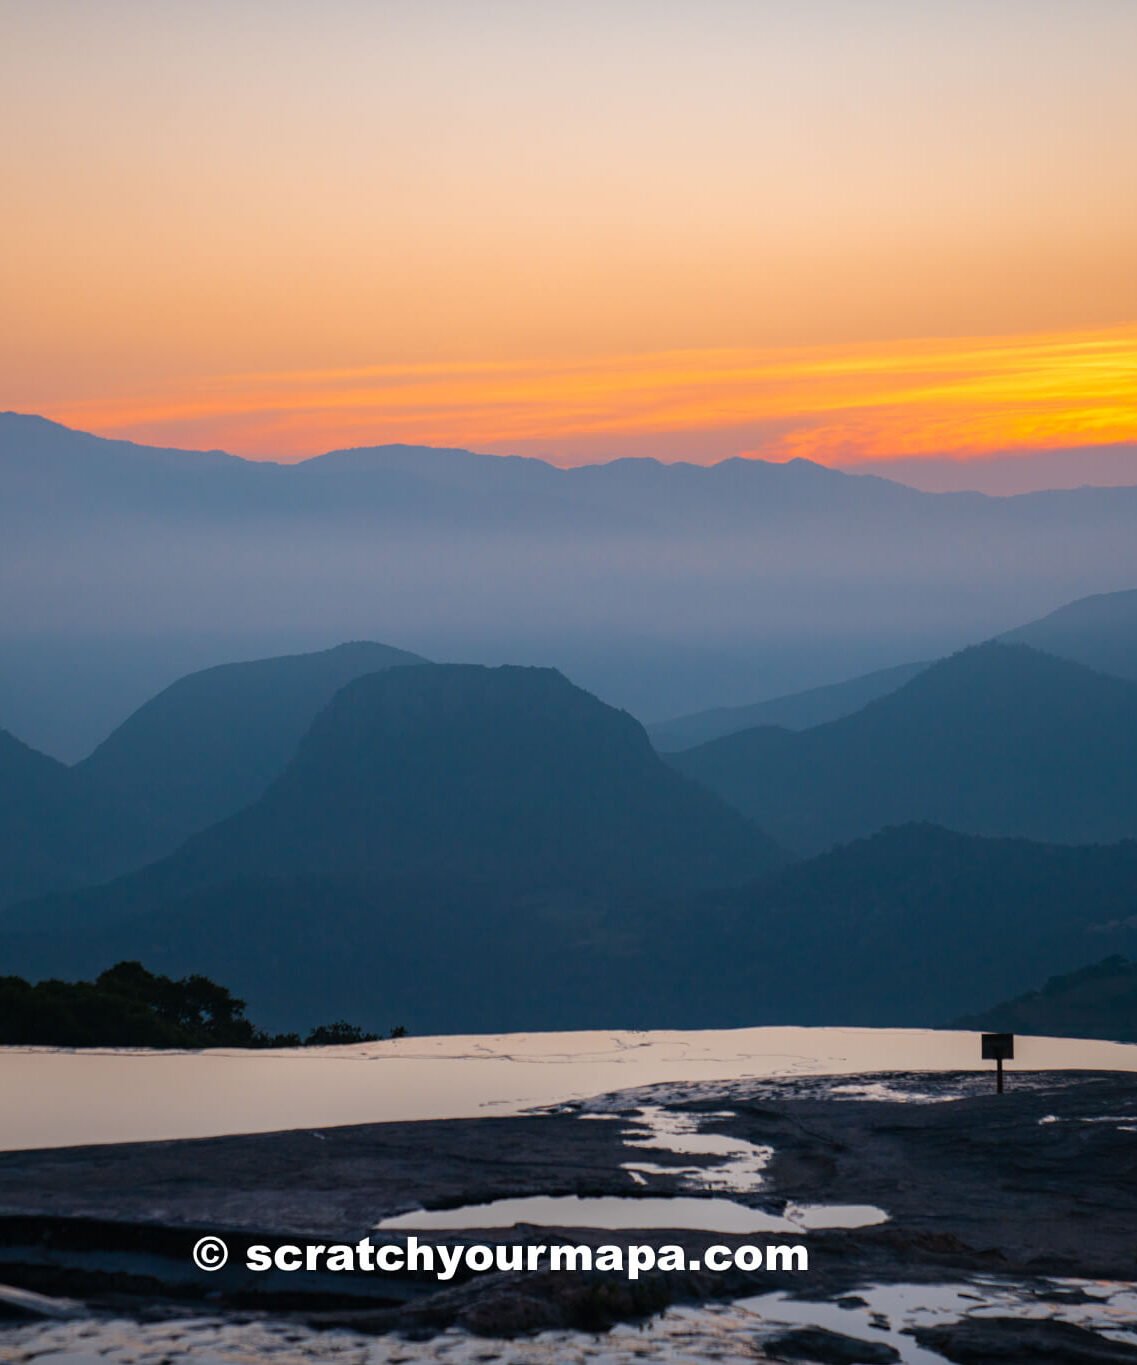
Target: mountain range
x=912 y=927
x=439 y=831
x=199 y=751
x=797 y=711
x=510 y=777
x=661 y=588
x=357 y=831
x=1002 y=473
x=465 y=848
x=998 y=739
x=1099 y=631
x=216 y=740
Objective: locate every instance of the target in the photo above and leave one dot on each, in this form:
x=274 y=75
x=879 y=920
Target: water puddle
x=657 y=1129
x=1124 y=1123
x=887 y=1314
x=621 y=1213
x=739 y=1168
x=883 y=1093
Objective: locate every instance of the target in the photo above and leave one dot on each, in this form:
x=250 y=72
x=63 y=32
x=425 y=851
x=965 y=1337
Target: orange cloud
x=843 y=404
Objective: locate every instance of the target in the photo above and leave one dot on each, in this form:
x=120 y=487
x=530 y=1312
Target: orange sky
x=844 y=404
x=656 y=226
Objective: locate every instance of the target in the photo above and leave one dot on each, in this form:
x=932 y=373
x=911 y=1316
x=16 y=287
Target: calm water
x=613 y=1212
x=67 y=1098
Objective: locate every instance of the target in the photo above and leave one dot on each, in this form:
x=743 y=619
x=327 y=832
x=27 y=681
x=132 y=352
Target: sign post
x=998 y=1048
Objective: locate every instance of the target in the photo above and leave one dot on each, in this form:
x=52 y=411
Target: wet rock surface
x=819 y=1345
x=1040 y=1182
x=327 y=1183
x=1042 y=1179
x=993 y=1341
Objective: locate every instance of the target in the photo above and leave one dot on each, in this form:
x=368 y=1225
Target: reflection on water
x=107 y=1096
x=614 y=1212
x=660 y=1129
x=738 y=1168
x=890 y=1094
x=728 y=1334
x=1122 y=1122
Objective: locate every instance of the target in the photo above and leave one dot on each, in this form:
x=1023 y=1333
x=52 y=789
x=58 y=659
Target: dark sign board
x=998 y=1047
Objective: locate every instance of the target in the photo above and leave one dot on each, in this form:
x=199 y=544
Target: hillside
x=212 y=742
x=57 y=829
x=1098 y=631
x=457 y=821
x=996 y=740
x=797 y=711
x=1098 y=1001
x=508 y=775
x=912 y=927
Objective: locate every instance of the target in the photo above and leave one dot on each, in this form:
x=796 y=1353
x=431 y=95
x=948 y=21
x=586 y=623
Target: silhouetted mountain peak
x=212 y=741
x=1001 y=683
x=527 y=722
x=467 y=777
x=510 y=773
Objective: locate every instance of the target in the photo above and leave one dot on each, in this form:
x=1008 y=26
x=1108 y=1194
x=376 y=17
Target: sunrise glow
x=838 y=404
x=831 y=230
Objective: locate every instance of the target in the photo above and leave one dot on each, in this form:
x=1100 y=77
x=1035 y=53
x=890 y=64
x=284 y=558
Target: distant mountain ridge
x=798 y=711
x=396 y=479
x=996 y=740
x=37 y=453
x=1098 y=631
x=664 y=588
x=495 y=847
x=1008 y=475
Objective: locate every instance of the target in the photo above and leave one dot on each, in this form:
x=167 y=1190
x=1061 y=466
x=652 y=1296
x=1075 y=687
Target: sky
x=855 y=231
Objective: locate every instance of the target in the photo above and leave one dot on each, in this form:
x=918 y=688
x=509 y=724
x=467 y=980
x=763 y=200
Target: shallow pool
x=614 y=1212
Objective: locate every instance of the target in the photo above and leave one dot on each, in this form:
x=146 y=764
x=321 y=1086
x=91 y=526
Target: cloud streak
x=961 y=397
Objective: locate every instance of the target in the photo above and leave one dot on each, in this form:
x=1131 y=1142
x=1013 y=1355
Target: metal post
x=999 y=1076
